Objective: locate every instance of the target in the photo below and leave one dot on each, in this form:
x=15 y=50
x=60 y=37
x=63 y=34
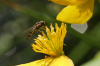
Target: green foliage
x=99 y=1
x=93 y=62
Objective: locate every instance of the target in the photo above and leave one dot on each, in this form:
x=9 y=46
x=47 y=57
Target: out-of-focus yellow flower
x=77 y=11
x=52 y=45
x=58 y=61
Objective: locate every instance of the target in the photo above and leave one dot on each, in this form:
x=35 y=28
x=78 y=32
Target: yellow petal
x=59 y=61
x=78 y=14
x=41 y=62
x=62 y=61
x=68 y=2
x=29 y=64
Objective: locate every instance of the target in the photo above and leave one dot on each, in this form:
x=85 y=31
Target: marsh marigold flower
x=76 y=12
x=52 y=45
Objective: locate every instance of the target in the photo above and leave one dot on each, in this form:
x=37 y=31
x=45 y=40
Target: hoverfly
x=36 y=27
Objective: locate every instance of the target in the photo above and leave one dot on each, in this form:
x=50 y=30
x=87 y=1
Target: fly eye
x=42 y=22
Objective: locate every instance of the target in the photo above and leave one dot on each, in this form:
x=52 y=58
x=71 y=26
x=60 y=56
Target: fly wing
x=25 y=32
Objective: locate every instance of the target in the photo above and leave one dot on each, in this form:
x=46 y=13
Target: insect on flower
x=36 y=27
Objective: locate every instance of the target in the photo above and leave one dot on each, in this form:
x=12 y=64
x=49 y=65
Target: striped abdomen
x=30 y=34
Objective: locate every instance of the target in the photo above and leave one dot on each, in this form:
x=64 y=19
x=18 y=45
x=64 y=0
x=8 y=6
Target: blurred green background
x=17 y=16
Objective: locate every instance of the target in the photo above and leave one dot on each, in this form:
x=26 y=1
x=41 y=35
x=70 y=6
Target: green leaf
x=93 y=62
x=99 y=1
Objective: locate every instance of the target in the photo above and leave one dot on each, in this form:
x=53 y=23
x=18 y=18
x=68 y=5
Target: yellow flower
x=77 y=11
x=52 y=45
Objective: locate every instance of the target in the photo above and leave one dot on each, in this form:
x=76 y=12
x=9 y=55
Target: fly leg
x=36 y=34
x=44 y=28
